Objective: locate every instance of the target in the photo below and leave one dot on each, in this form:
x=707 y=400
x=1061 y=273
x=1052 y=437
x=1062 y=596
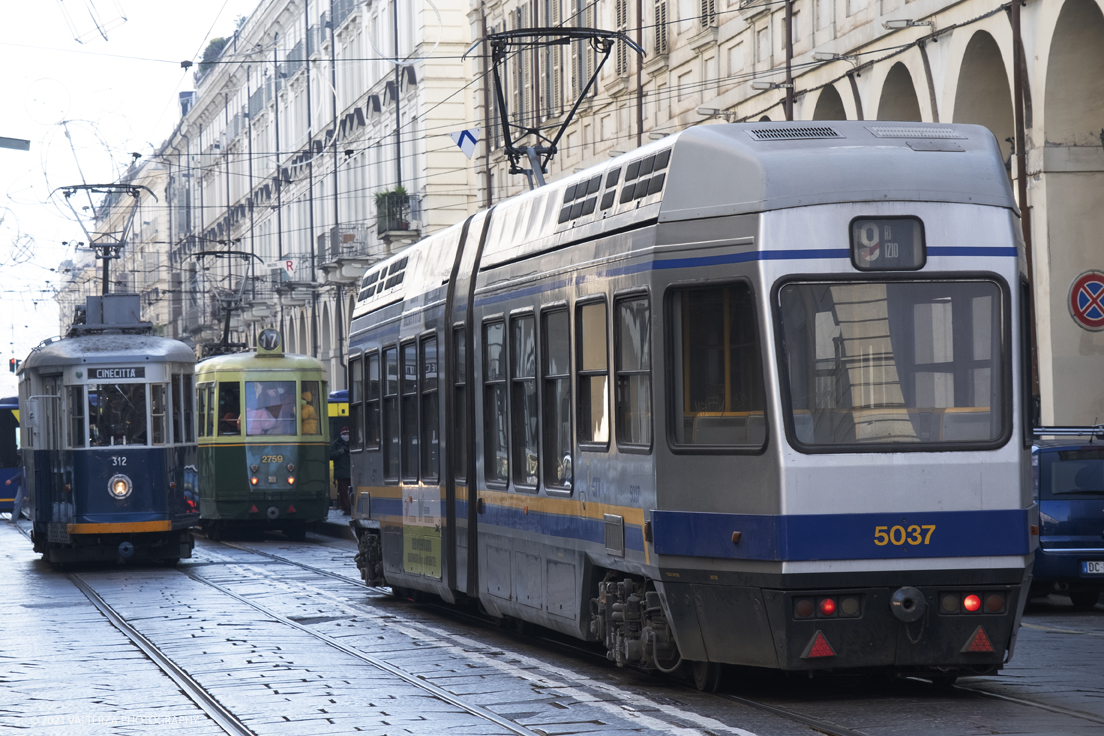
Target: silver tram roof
x=715 y=171
x=104 y=349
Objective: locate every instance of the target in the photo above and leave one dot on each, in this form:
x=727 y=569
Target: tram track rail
x=407 y=677
x=191 y=688
x=819 y=725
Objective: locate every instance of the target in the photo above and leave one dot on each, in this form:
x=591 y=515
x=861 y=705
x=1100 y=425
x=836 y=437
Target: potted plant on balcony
x=390 y=209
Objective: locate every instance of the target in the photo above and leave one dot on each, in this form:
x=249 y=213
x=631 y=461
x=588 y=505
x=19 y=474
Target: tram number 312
x=914 y=535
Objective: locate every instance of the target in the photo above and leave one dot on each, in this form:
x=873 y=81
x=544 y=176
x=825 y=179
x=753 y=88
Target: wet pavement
x=291 y=650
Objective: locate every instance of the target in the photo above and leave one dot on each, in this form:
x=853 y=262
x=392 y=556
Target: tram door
x=49 y=463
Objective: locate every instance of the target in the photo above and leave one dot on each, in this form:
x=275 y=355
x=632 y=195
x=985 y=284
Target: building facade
x=710 y=61
x=287 y=156
x=309 y=150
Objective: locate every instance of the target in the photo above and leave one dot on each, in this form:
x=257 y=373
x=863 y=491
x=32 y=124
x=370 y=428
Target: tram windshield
x=270 y=407
x=893 y=363
x=117 y=414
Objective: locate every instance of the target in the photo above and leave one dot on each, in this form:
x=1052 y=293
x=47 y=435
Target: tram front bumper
x=801 y=630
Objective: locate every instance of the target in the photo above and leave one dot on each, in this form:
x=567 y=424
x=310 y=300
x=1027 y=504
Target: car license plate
x=1093 y=567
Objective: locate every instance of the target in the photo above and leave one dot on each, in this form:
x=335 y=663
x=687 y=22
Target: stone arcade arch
x=984 y=94
x=1073 y=179
x=898 y=100
x=829 y=105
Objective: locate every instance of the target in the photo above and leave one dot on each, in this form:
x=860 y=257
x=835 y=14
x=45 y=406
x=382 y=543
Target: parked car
x=1069 y=487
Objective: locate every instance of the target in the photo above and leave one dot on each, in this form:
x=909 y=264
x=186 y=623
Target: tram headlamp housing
x=120 y=486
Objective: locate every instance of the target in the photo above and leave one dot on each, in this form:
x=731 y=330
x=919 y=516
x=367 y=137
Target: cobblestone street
x=304 y=648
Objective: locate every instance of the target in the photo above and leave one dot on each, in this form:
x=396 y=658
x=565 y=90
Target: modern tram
x=108 y=440
x=9 y=451
x=752 y=394
x=263 y=440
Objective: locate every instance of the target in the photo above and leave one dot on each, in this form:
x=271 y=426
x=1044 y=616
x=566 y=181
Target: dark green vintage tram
x=263 y=440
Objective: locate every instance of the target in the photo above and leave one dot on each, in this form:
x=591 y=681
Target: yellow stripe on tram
x=133 y=527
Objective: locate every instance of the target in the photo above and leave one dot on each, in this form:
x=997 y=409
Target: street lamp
x=896 y=25
x=829 y=56
x=771 y=85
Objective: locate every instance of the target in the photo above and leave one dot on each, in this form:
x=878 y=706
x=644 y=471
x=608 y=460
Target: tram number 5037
x=914 y=535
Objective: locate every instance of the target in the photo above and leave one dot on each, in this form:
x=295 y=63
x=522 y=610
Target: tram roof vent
x=793 y=133
x=900 y=131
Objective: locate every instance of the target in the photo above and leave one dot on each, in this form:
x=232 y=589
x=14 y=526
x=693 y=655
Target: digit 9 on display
x=887 y=244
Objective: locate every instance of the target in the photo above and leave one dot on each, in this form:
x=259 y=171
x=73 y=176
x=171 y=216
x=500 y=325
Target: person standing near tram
x=339 y=453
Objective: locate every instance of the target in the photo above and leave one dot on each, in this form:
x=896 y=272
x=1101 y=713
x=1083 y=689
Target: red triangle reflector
x=818 y=647
x=254 y=509
x=291 y=509
x=978 y=644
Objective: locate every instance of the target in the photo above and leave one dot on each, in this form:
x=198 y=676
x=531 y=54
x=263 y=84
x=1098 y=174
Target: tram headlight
x=119 y=486
x=291 y=467
x=291 y=480
x=254 y=467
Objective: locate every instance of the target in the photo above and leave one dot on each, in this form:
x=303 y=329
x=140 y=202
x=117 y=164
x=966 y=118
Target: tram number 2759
x=913 y=535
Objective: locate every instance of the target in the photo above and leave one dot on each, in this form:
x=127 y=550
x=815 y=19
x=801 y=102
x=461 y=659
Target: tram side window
x=117 y=414
x=592 y=351
x=76 y=416
x=372 y=401
x=201 y=407
x=634 y=372
x=391 y=413
x=308 y=407
x=356 y=407
x=430 y=434
x=460 y=412
x=495 y=443
x=177 y=409
x=717 y=376
x=208 y=417
x=182 y=408
x=229 y=408
x=409 y=420
x=269 y=408
x=158 y=401
x=557 y=399
x=523 y=386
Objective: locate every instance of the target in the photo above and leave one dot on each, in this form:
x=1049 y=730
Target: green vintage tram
x=263 y=440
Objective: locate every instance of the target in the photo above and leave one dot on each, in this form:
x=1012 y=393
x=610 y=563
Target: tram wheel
x=1085 y=599
x=707 y=676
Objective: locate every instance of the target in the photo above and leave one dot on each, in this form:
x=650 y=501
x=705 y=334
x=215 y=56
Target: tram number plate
x=901 y=535
x=1092 y=567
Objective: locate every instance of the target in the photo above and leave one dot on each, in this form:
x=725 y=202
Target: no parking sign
x=1086 y=300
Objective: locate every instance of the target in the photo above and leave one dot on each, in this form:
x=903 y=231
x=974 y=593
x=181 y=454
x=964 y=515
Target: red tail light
x=971 y=603
x=827 y=606
x=978 y=643
x=818 y=647
x=804 y=608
